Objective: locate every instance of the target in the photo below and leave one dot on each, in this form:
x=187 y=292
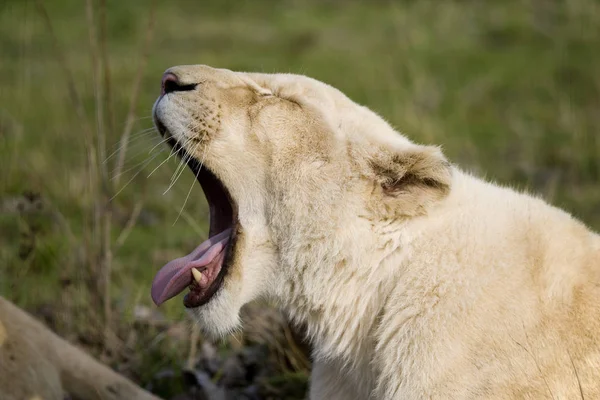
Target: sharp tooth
x=197 y=275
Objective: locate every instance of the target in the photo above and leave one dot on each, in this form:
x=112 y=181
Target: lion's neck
x=338 y=291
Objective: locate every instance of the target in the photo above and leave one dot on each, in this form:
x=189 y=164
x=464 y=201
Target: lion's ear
x=410 y=179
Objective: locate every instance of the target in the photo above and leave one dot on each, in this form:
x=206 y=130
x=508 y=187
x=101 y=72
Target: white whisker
x=194 y=181
x=135 y=137
x=147 y=160
x=162 y=163
x=180 y=168
x=159 y=143
x=135 y=151
x=134 y=176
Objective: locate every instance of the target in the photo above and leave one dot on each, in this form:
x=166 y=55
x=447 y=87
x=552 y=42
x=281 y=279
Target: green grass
x=510 y=89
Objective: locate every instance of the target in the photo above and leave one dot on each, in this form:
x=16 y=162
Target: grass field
x=510 y=89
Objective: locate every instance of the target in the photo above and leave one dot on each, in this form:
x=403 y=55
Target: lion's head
x=294 y=173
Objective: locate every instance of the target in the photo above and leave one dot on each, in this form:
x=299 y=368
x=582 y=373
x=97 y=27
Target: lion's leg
x=36 y=363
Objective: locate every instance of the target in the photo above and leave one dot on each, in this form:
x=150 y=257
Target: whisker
x=148 y=132
x=180 y=165
x=135 y=137
x=183 y=161
x=143 y=131
x=177 y=150
x=193 y=182
x=159 y=143
x=133 y=167
x=134 y=176
x=135 y=151
x=180 y=168
x=162 y=163
x=187 y=197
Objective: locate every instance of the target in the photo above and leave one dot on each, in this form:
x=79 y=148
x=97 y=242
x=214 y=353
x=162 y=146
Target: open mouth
x=203 y=270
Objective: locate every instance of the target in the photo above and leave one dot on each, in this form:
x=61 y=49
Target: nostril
x=170 y=83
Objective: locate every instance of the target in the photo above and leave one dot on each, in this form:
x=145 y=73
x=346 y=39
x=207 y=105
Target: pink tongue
x=174 y=277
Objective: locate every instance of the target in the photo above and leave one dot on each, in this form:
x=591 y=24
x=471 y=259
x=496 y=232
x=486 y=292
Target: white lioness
x=415 y=279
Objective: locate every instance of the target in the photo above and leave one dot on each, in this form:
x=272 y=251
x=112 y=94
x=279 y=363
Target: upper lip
x=221 y=210
x=208 y=180
x=222 y=207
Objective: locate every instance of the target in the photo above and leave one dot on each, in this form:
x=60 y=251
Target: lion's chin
x=220 y=316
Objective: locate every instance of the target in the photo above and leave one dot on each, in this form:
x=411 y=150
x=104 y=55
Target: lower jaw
x=197 y=297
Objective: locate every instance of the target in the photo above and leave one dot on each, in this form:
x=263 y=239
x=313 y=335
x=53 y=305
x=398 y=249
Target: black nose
x=170 y=83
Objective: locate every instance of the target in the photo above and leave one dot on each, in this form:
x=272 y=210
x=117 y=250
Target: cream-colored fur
x=415 y=279
x=35 y=364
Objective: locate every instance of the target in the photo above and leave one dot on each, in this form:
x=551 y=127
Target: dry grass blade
x=193 y=350
x=102 y=211
x=110 y=116
x=72 y=89
x=137 y=210
x=193 y=224
x=90 y=239
x=135 y=90
x=66 y=71
x=98 y=87
x=102 y=90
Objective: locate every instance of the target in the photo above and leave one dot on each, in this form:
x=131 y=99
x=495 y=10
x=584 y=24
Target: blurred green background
x=510 y=89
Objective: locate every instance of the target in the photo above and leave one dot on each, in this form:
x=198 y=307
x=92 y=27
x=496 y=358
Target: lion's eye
x=266 y=93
